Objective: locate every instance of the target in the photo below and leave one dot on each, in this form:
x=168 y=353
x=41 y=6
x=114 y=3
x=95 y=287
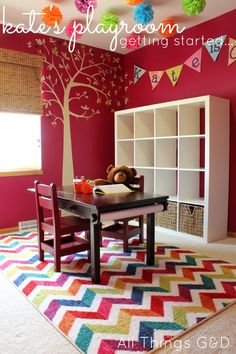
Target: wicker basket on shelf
x=168 y=218
x=191 y=219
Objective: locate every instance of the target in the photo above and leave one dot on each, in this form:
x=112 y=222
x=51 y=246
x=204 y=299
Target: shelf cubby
x=166 y=122
x=125 y=153
x=148 y=179
x=166 y=153
x=144 y=124
x=191 y=120
x=125 y=126
x=144 y=153
x=166 y=182
x=191 y=187
x=192 y=152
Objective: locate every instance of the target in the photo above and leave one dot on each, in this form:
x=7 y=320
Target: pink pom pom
x=70 y=29
x=133 y=41
x=83 y=5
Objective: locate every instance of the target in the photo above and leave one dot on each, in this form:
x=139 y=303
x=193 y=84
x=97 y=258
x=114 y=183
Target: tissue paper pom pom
x=133 y=2
x=51 y=15
x=193 y=7
x=83 y=5
x=166 y=28
x=109 y=20
x=70 y=29
x=143 y=13
x=133 y=41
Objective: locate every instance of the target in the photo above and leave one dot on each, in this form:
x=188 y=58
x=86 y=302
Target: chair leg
x=141 y=222
x=126 y=239
x=40 y=239
x=57 y=252
x=126 y=245
x=57 y=263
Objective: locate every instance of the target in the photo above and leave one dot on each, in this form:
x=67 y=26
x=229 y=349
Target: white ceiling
x=163 y=9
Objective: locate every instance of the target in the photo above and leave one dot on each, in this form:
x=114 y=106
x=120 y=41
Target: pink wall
x=92 y=139
x=216 y=79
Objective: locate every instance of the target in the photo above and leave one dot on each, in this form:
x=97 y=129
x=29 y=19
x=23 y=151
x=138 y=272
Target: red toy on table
x=82 y=186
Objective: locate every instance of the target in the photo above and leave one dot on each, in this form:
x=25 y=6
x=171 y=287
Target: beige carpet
x=24 y=330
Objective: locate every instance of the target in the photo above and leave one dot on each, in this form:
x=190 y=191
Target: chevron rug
x=135 y=309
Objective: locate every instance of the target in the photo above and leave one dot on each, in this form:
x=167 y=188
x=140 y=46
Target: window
x=20 y=143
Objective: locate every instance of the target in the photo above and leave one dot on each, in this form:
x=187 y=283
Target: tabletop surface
x=110 y=201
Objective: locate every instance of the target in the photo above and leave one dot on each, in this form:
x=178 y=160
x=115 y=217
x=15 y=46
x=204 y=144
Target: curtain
x=20 y=87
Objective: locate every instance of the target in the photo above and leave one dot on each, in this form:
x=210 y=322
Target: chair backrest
x=138 y=184
x=46 y=200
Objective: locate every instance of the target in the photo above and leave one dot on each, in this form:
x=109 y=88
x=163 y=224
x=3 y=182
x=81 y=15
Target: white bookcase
x=182 y=149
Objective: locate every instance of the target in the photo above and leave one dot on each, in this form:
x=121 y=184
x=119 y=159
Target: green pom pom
x=193 y=7
x=109 y=20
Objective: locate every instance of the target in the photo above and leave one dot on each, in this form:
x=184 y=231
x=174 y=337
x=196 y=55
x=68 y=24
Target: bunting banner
x=195 y=61
x=155 y=77
x=232 y=51
x=214 y=46
x=174 y=73
x=138 y=73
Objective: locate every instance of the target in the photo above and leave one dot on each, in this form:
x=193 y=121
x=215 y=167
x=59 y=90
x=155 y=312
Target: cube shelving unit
x=182 y=149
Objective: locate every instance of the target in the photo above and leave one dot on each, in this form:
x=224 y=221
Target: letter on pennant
x=174 y=73
x=232 y=51
x=138 y=73
x=214 y=46
x=195 y=61
x=155 y=77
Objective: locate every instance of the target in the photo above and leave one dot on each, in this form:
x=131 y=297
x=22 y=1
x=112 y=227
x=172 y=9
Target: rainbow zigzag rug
x=136 y=308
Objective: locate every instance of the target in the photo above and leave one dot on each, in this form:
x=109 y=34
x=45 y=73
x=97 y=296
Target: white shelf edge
x=192 y=169
x=166 y=168
x=173 y=198
x=197 y=201
x=192 y=136
x=200 y=101
x=180 y=169
x=166 y=137
x=129 y=139
x=147 y=138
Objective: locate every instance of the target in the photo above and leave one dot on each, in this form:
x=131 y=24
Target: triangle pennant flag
x=174 y=73
x=155 y=77
x=214 y=46
x=195 y=61
x=232 y=51
x=138 y=73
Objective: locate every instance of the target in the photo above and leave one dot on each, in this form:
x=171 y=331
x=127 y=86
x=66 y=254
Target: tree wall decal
x=77 y=85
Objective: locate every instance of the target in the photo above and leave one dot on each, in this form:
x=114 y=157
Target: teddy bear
x=117 y=174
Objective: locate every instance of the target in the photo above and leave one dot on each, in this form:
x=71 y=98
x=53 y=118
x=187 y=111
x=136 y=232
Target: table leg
x=150 y=239
x=95 y=237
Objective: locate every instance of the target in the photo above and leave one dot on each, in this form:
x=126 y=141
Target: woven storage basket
x=168 y=218
x=191 y=219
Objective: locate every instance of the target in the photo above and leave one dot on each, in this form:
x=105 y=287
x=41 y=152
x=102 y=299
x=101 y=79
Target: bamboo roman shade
x=20 y=88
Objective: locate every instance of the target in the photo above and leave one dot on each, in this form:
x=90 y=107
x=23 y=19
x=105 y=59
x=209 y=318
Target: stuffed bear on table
x=117 y=174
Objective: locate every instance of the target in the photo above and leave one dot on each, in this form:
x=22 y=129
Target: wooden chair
x=63 y=240
x=121 y=229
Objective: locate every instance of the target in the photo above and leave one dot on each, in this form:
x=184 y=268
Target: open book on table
x=111 y=189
